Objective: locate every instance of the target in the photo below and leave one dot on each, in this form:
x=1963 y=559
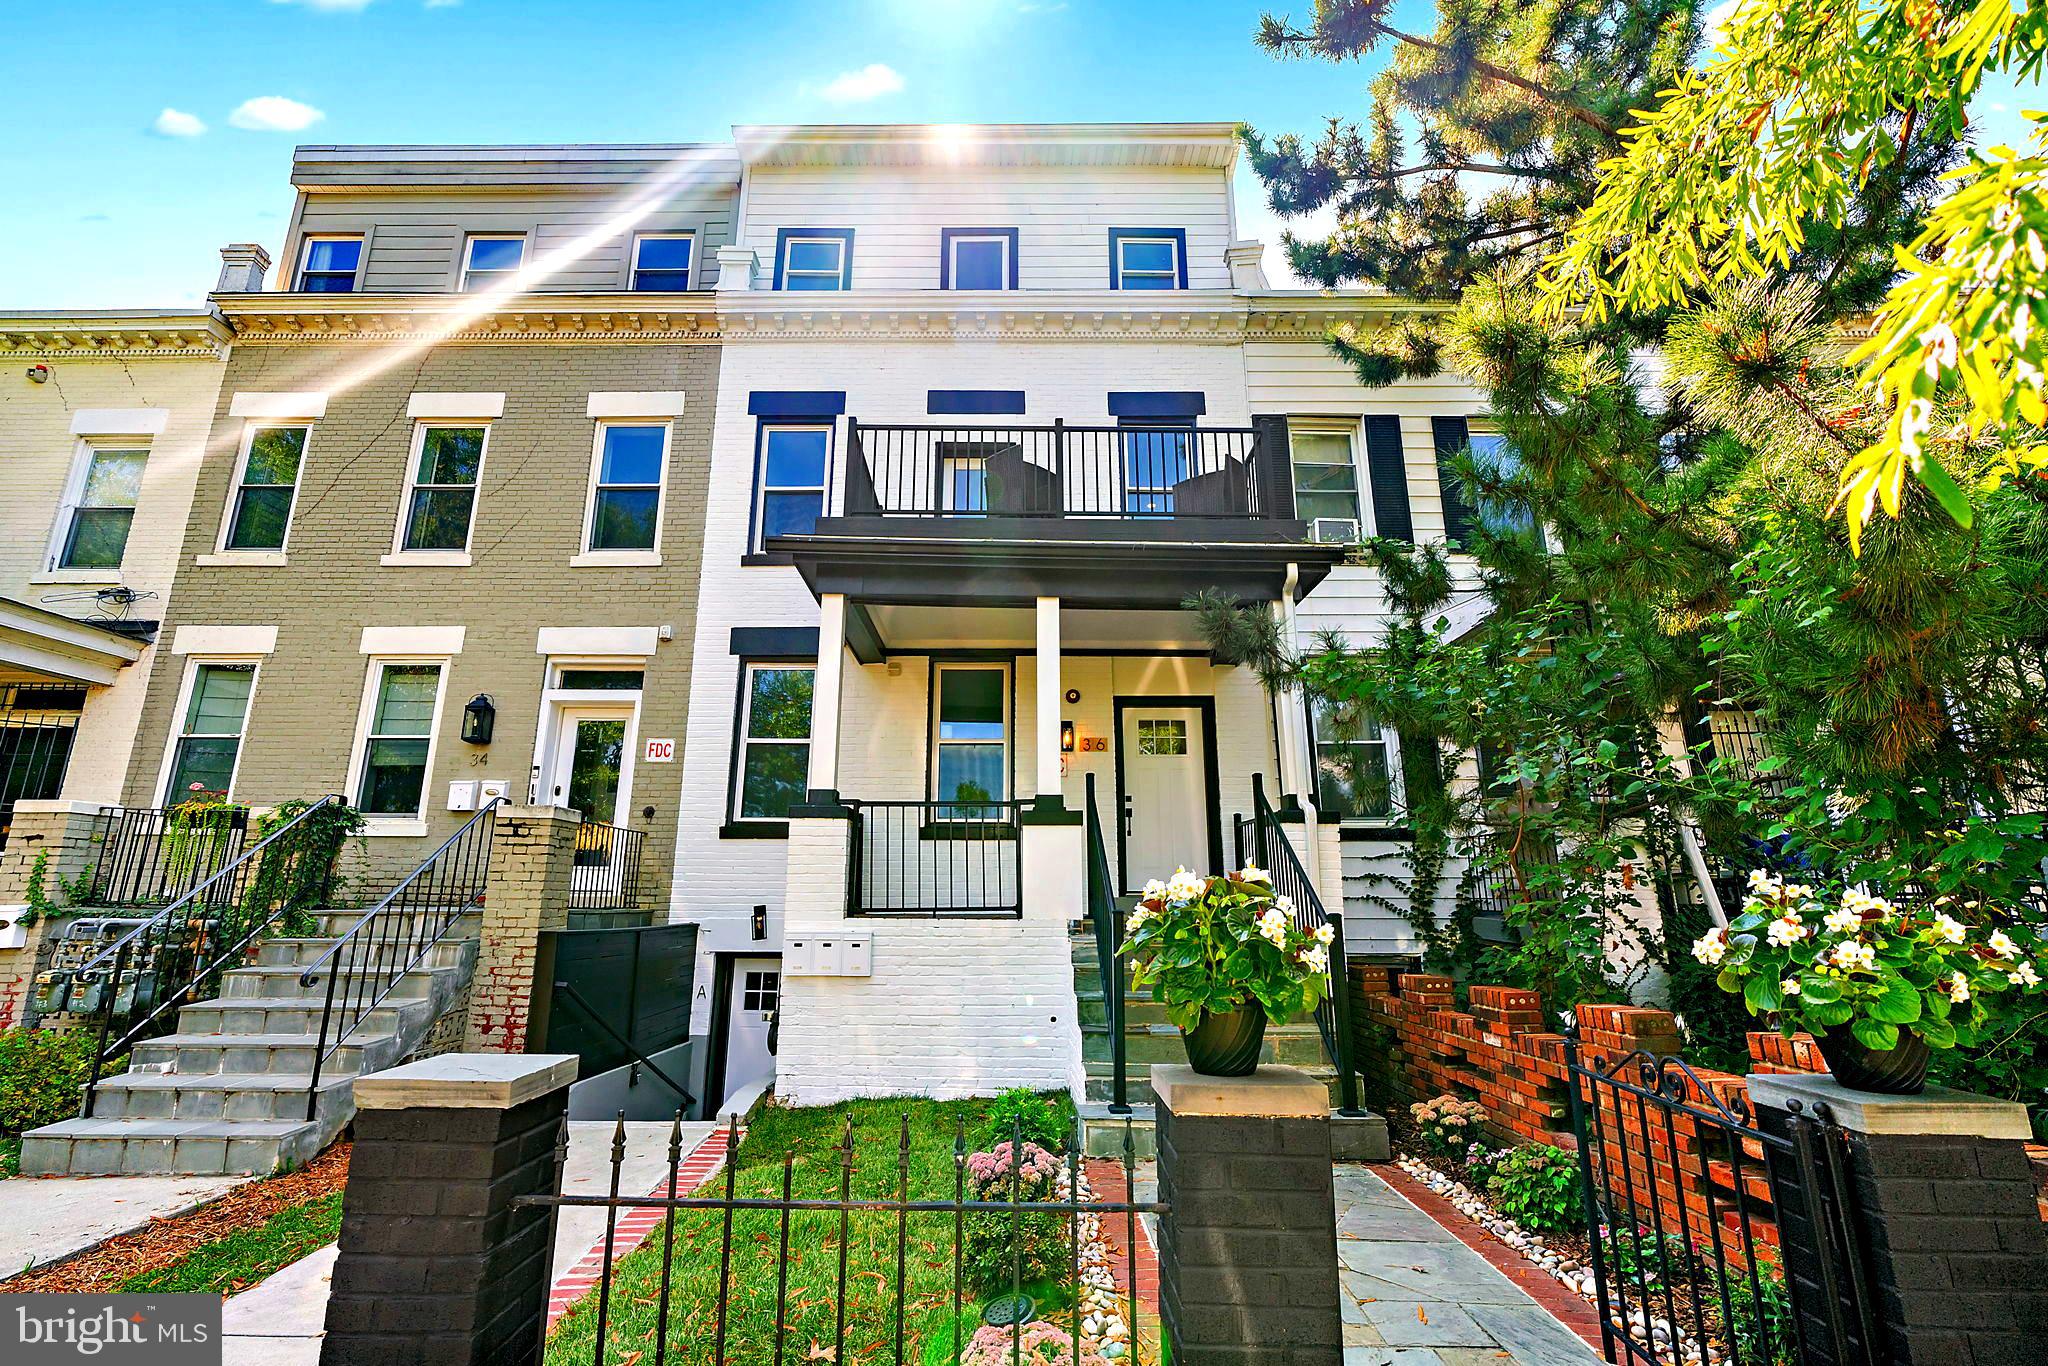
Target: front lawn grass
x=812 y=1267
x=246 y=1256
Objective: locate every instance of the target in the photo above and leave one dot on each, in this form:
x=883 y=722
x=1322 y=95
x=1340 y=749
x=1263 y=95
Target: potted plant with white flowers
x=1879 y=986
x=1225 y=957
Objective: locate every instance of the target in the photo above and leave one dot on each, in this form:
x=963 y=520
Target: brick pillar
x=1944 y=1208
x=533 y=857
x=68 y=832
x=1248 y=1247
x=437 y=1268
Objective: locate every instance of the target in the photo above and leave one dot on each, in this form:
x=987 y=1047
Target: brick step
x=104 y=1147
x=218 y=1095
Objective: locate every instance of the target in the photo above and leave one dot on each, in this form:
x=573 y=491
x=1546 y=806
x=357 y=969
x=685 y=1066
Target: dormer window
x=487 y=260
x=1148 y=258
x=329 y=265
x=814 y=258
x=661 y=261
x=978 y=258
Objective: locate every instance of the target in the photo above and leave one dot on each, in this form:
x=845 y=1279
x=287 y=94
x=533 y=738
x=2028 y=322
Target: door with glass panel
x=1163 y=773
x=594 y=775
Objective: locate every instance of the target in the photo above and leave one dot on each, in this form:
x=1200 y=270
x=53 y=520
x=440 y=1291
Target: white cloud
x=274 y=114
x=870 y=82
x=176 y=123
x=329 y=6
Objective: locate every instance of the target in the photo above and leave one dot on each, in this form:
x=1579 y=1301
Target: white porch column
x=1049 y=695
x=825 y=691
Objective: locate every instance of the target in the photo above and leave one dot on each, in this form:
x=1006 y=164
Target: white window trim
x=633 y=257
x=1352 y=430
x=756 y=539
x=469 y=249
x=837 y=273
x=554 y=697
x=939 y=670
x=400 y=554
x=1172 y=272
x=222 y=555
x=748 y=668
x=393 y=825
x=355 y=276
x=193 y=664
x=68 y=505
x=1397 y=789
x=953 y=258
x=586 y=557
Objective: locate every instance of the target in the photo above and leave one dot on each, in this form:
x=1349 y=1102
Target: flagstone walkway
x=1416 y=1295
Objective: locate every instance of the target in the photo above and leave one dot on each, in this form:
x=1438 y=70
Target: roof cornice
x=1197 y=145
x=281 y=317
x=130 y=334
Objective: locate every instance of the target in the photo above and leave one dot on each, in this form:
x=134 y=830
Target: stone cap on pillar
x=1268 y=1093
x=540 y=813
x=466 y=1081
x=1935 y=1112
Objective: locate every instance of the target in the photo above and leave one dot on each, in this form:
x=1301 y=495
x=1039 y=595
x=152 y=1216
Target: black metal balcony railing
x=606 y=873
x=150 y=855
x=1130 y=473
x=939 y=859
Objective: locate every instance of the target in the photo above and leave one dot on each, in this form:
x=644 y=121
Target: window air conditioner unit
x=1335 y=530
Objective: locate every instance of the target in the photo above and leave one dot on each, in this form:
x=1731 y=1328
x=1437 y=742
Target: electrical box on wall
x=851 y=955
x=462 y=796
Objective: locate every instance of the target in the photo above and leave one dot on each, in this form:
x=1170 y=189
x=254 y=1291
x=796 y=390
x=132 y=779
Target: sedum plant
x=1219 y=944
x=1867 y=964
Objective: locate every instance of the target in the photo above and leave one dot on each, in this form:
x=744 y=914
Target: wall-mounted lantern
x=1066 y=737
x=759 y=921
x=477 y=719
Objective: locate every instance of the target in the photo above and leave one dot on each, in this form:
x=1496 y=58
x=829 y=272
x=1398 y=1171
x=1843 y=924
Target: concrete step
x=219 y=1095
x=1145 y=1044
x=104 y=1147
x=280 y=982
x=235 y=1016
x=278 y=953
x=337 y=921
x=292 y=1054
x=1353 y=1138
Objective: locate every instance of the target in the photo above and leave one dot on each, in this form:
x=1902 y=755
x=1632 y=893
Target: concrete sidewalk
x=47 y=1218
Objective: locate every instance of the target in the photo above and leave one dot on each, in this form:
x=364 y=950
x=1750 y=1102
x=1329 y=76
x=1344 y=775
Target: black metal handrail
x=150 y=855
x=394 y=936
x=1131 y=472
x=607 y=867
x=176 y=942
x=946 y=860
x=1275 y=853
x=1102 y=914
x=567 y=990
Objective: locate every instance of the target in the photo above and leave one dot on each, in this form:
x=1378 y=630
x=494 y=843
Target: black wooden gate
x=1714 y=1235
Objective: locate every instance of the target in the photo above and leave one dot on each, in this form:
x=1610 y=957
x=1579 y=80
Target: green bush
x=41 y=1075
x=1021 y=1113
x=1762 y=1329
x=1538 y=1187
x=999 y=1244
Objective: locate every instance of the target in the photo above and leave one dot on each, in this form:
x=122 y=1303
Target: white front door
x=1165 y=790
x=593 y=772
x=756 y=993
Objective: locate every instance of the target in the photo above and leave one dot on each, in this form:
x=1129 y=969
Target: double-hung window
x=790 y=496
x=262 y=509
x=329 y=265
x=970 y=739
x=489 y=258
x=1354 y=770
x=210 y=731
x=397 y=742
x=625 y=499
x=1326 y=482
x=772 y=768
x=1491 y=452
x=978 y=258
x=108 y=481
x=814 y=258
x=661 y=261
x=440 y=488
x=1148 y=258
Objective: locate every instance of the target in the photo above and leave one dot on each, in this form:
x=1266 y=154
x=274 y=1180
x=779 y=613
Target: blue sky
x=117 y=203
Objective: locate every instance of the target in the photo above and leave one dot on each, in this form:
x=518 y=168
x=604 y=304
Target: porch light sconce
x=759 y=921
x=477 y=719
x=1066 y=737
x=39 y=374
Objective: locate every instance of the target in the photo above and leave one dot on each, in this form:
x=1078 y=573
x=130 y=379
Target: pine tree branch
x=1483 y=167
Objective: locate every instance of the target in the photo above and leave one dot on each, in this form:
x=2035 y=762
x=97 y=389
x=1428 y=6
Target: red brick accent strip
x=1106 y=1179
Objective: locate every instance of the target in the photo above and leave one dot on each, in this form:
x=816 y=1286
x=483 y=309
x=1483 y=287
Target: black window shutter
x=1275 y=474
x=1386 y=475
x=1453 y=434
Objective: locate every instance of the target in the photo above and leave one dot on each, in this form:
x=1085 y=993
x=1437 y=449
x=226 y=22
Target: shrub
x=1000 y=1244
x=1762 y=1330
x=1447 y=1125
x=1021 y=1113
x=41 y=1075
x=1538 y=1187
x=1480 y=1164
x=1042 y=1344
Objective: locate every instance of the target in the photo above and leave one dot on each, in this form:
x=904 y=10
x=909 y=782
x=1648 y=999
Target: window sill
x=112 y=575
x=754 y=830
x=436 y=559
x=615 y=559
x=765 y=557
x=393 y=827
x=268 y=559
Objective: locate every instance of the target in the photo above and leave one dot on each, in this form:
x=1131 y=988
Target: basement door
x=756 y=995
x=1163 y=776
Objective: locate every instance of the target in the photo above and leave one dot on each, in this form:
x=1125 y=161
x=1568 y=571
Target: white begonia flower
x=1183 y=886
x=1316 y=958
x=1843 y=921
x=1762 y=882
x=1324 y=934
x=1790 y=986
x=1251 y=872
x=1711 y=947
x=1273 y=926
x=1798 y=891
x=1850 y=955
x=1285 y=903
x=1139 y=915
x=1154 y=890
x=1785 y=931
x=2023 y=975
x=1958 y=988
x=2002 y=946
x=1948 y=929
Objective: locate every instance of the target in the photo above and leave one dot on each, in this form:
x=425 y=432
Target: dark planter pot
x=1226 y=1045
x=1900 y=1071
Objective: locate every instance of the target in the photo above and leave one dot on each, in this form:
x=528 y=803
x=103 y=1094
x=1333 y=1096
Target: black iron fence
x=37 y=724
x=1685 y=1196
x=391 y=939
x=151 y=855
x=177 y=955
x=836 y=1256
x=1102 y=916
x=1159 y=471
x=941 y=859
x=606 y=876
x=1271 y=850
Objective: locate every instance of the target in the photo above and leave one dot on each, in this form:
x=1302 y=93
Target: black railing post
x=1340 y=991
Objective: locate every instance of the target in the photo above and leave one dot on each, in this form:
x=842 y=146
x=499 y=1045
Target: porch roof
x=46 y=644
